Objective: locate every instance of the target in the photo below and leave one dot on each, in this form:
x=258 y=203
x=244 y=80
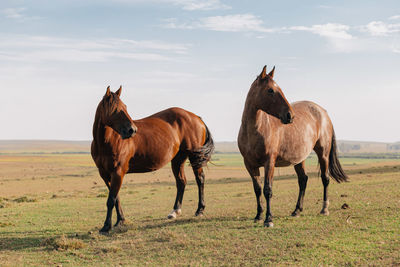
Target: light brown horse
x=122 y=145
x=276 y=134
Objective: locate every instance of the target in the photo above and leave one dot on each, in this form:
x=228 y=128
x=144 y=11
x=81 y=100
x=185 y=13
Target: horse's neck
x=102 y=135
x=253 y=118
x=99 y=130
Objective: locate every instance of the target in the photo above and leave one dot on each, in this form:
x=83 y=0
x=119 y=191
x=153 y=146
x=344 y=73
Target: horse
x=274 y=133
x=121 y=145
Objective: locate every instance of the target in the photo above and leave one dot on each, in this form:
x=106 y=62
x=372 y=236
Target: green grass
x=63 y=228
x=236 y=160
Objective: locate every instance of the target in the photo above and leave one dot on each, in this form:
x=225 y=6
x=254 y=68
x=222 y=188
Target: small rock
x=343 y=195
x=345 y=206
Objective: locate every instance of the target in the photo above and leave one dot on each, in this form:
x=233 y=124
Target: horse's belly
x=294 y=151
x=140 y=164
x=282 y=163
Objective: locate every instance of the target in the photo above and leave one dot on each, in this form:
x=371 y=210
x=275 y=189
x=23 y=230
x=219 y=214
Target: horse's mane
x=107 y=104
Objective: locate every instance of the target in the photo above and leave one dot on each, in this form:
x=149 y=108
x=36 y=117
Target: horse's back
x=191 y=128
x=162 y=135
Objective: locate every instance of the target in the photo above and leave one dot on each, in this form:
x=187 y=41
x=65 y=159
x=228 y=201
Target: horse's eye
x=270 y=91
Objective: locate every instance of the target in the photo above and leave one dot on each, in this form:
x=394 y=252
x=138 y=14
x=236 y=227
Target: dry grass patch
x=64 y=243
x=24 y=199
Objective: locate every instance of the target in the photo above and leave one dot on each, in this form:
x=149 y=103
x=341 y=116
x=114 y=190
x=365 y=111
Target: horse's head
x=270 y=98
x=114 y=114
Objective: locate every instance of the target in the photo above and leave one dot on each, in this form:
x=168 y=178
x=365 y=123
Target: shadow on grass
x=234 y=180
x=21 y=243
x=162 y=223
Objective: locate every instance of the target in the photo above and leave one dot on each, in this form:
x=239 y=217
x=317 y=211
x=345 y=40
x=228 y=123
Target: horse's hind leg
x=200 y=177
x=302 y=180
x=323 y=157
x=255 y=177
x=177 y=165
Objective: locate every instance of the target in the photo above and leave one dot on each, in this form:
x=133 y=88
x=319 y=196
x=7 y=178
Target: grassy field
x=52 y=206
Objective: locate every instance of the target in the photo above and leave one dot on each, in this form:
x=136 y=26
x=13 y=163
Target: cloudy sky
x=57 y=58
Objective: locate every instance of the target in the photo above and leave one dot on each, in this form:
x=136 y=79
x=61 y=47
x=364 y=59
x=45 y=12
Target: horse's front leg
x=107 y=180
x=120 y=213
x=255 y=177
x=269 y=175
x=115 y=185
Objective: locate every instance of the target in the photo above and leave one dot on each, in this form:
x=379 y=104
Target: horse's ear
x=264 y=72
x=108 y=92
x=118 y=92
x=271 y=73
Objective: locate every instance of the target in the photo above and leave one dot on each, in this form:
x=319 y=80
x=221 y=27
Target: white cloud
x=200 y=5
x=324 y=6
x=229 y=23
x=190 y=5
x=394 y=17
x=349 y=39
x=172 y=23
x=340 y=38
x=380 y=28
x=17 y=14
x=329 y=30
x=43 y=48
x=252 y=23
x=234 y=23
x=75 y=55
x=13 y=13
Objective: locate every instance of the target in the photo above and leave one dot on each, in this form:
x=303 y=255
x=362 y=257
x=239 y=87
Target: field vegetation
x=53 y=204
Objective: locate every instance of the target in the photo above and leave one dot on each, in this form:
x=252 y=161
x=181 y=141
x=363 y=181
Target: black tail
x=199 y=157
x=335 y=169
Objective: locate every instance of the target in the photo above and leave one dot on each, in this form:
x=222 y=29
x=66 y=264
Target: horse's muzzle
x=288 y=118
x=128 y=132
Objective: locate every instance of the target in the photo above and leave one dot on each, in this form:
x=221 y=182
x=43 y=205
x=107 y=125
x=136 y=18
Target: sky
x=58 y=57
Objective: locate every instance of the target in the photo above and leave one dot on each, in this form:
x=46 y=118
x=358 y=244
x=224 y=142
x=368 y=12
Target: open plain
x=52 y=204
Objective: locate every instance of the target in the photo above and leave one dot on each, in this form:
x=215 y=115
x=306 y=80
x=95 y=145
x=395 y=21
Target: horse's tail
x=199 y=157
x=335 y=169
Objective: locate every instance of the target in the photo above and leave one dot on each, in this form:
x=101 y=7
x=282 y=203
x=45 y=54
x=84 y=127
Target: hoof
x=268 y=224
x=257 y=219
x=324 y=212
x=174 y=214
x=119 y=223
x=199 y=214
x=171 y=216
x=200 y=210
x=295 y=213
x=105 y=229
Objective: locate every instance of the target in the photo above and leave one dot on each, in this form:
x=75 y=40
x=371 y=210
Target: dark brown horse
x=276 y=134
x=122 y=145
